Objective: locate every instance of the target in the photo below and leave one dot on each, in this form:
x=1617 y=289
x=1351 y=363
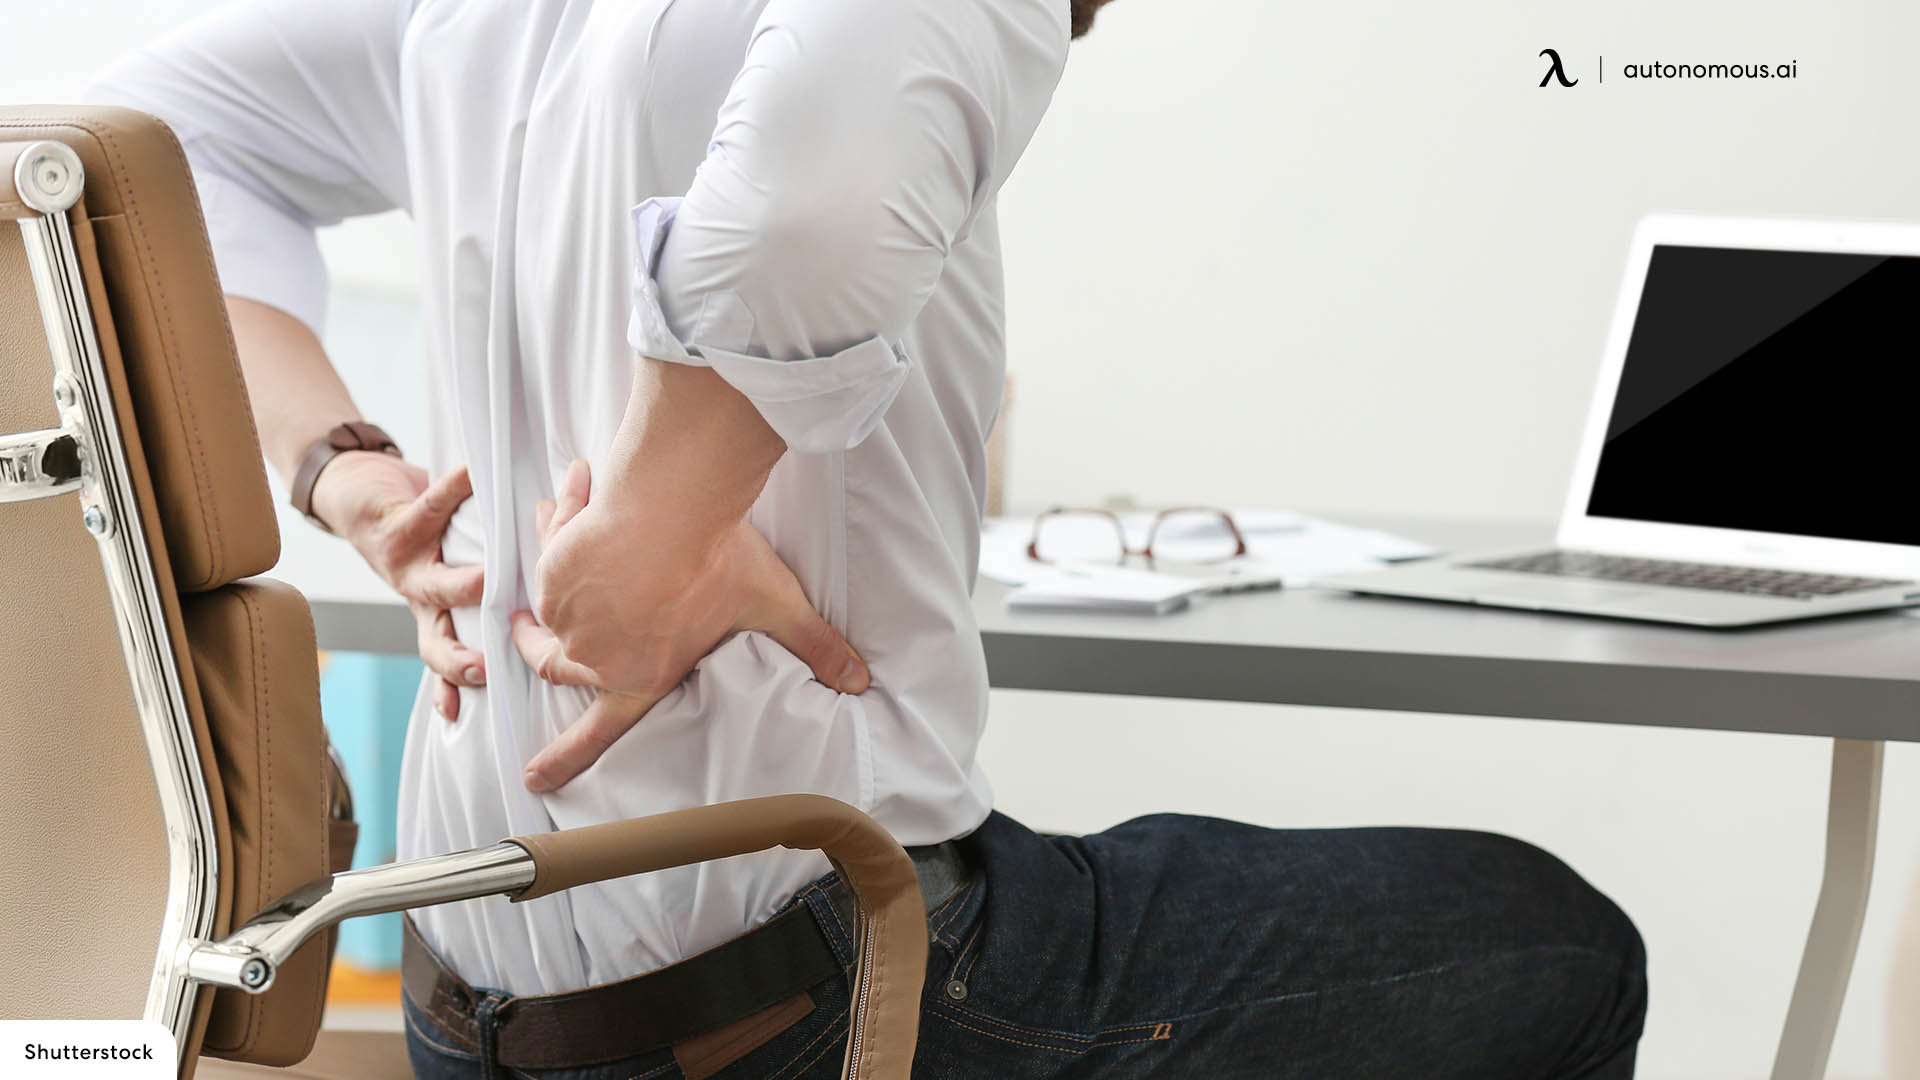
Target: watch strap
x=341 y=439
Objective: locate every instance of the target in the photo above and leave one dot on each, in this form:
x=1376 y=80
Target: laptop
x=1751 y=450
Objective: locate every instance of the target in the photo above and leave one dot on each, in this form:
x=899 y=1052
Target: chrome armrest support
x=249 y=957
x=37 y=464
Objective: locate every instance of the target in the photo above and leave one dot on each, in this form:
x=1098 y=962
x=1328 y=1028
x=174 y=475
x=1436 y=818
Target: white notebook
x=1115 y=588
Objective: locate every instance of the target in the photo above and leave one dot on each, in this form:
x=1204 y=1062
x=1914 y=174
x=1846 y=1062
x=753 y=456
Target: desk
x=1854 y=679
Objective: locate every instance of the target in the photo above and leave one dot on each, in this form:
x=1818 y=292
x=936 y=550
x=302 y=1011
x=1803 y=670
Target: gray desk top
x=1852 y=677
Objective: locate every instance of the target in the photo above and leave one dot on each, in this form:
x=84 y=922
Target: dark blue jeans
x=1178 y=946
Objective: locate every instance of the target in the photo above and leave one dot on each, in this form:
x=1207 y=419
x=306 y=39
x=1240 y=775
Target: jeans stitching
x=817 y=1055
x=845 y=936
x=953 y=1012
x=1130 y=1042
x=782 y=1073
x=948 y=1015
x=1275 y=998
x=963 y=965
x=489 y=1032
x=951 y=906
x=1029 y=1029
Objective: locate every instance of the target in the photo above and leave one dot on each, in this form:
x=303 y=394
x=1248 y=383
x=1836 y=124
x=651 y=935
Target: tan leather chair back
x=84 y=875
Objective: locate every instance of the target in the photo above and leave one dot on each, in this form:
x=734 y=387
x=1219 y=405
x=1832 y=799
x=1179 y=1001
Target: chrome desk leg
x=1853 y=823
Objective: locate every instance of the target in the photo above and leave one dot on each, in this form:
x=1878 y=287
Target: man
x=712 y=317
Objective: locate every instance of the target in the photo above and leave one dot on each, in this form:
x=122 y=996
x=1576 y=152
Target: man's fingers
x=445 y=494
x=575 y=488
x=430 y=512
x=609 y=717
x=444 y=654
x=544 y=654
x=437 y=585
x=446 y=698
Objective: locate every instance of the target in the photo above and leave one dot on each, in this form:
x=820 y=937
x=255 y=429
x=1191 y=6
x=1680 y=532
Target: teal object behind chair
x=366 y=701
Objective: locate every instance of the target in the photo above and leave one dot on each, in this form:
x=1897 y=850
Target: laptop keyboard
x=1790 y=584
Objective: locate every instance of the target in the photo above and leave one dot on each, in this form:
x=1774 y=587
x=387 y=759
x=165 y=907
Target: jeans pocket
x=991 y=1002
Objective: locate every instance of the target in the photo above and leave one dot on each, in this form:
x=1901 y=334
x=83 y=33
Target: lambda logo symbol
x=1555 y=70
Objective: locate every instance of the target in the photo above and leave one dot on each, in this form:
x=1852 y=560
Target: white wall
x=1351 y=257
x=1361 y=250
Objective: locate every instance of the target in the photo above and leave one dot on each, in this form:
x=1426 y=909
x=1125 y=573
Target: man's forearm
x=692 y=448
x=297 y=396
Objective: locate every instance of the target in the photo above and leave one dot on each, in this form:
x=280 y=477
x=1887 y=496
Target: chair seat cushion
x=337 y=1055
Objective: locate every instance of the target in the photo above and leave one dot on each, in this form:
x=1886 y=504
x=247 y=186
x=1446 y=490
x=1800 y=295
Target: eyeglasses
x=1193 y=534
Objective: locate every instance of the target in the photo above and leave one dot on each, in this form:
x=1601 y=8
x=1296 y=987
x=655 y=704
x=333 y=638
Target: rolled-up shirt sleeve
x=288 y=112
x=857 y=145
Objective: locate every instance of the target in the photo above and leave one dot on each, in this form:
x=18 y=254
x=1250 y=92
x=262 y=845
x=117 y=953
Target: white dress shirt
x=799 y=193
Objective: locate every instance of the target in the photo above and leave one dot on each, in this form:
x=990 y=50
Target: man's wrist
x=354 y=436
x=336 y=506
x=676 y=521
x=690 y=446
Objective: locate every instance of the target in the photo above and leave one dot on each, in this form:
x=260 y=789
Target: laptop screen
x=1772 y=391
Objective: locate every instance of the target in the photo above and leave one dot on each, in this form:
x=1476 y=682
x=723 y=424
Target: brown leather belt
x=764 y=967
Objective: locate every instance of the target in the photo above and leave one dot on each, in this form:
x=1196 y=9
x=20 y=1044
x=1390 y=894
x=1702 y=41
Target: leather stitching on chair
x=156 y=290
x=265 y=690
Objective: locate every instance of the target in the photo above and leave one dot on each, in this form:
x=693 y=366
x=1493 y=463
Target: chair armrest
x=890 y=968
x=891 y=963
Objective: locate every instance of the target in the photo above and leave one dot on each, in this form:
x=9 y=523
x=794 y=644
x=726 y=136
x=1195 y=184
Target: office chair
x=176 y=830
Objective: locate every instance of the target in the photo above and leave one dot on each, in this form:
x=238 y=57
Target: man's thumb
x=779 y=607
x=819 y=646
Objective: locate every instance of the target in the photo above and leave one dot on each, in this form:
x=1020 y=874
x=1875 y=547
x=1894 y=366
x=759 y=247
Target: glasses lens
x=1075 y=537
x=1194 y=536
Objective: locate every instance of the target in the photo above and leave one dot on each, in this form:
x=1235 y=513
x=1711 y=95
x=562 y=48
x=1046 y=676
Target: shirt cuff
x=261 y=252
x=817 y=405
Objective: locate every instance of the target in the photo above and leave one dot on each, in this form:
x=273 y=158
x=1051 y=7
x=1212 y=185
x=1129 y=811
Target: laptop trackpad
x=1562 y=591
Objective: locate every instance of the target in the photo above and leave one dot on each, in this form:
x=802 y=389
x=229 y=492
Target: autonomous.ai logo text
x=1556 y=70
x=1717 y=69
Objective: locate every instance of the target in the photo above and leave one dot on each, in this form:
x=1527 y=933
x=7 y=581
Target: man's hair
x=1083 y=13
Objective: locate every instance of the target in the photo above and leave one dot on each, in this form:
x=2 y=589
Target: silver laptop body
x=1748 y=452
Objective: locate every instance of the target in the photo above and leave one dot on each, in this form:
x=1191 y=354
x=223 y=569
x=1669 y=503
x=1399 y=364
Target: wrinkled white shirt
x=799 y=193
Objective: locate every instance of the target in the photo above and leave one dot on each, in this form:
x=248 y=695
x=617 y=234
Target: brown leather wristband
x=352 y=435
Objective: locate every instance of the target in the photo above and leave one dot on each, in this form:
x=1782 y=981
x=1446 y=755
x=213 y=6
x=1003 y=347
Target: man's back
x=522 y=138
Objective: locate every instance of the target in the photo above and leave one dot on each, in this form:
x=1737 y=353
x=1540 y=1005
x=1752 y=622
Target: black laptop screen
x=1773 y=391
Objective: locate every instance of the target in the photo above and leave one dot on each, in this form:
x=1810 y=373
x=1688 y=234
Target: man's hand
x=396 y=520
x=629 y=605
x=379 y=502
